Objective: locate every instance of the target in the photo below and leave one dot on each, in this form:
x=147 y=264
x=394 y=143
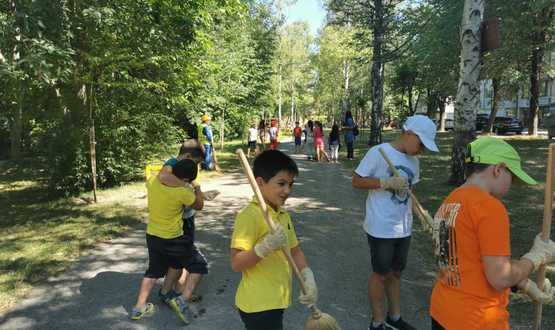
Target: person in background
x=205 y=137
x=334 y=143
x=253 y=133
x=297 y=134
x=348 y=127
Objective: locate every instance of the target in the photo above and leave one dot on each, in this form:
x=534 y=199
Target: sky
x=311 y=11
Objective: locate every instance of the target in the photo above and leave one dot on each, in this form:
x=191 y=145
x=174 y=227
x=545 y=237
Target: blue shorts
x=388 y=254
x=297 y=141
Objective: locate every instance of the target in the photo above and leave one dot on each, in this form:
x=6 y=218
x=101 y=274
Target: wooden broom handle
x=546 y=226
x=246 y=167
x=392 y=168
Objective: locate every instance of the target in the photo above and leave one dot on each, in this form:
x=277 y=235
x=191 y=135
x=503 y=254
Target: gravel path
x=98 y=292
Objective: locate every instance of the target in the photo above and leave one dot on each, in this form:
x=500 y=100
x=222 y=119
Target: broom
x=546 y=226
x=418 y=207
x=317 y=320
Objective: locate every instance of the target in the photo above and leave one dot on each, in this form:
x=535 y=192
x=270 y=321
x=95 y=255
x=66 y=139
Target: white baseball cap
x=425 y=128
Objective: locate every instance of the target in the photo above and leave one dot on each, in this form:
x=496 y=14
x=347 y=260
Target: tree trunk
x=17 y=109
x=494 y=105
x=412 y=109
x=535 y=67
x=377 y=72
x=222 y=127
x=441 y=101
x=468 y=91
x=345 y=101
x=92 y=142
x=279 y=94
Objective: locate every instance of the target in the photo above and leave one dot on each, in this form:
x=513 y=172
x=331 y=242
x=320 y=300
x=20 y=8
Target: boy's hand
x=271 y=242
x=544 y=296
x=541 y=252
x=394 y=182
x=311 y=295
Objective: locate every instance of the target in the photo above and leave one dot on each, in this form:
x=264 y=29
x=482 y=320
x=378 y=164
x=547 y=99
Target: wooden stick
x=245 y=163
x=546 y=226
x=419 y=208
x=216 y=164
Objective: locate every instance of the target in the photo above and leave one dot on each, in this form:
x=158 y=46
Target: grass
x=43 y=235
x=523 y=202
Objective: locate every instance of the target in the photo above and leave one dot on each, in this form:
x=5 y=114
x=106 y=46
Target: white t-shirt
x=253 y=133
x=273 y=133
x=388 y=214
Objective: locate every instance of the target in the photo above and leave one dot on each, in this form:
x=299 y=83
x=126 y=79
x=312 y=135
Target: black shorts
x=176 y=253
x=252 y=144
x=388 y=254
x=265 y=320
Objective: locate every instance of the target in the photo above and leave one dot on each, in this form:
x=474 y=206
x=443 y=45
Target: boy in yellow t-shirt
x=472 y=245
x=265 y=288
x=168 y=249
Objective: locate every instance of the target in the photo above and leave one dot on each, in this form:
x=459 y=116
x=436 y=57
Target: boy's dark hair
x=270 y=162
x=185 y=169
x=470 y=167
x=191 y=147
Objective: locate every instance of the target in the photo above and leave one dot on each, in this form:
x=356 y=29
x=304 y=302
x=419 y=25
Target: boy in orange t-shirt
x=472 y=245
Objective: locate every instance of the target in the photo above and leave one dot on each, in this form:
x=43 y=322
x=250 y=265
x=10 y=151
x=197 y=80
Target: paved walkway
x=98 y=292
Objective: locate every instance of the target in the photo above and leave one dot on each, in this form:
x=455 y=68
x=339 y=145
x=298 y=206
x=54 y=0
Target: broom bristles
x=321 y=321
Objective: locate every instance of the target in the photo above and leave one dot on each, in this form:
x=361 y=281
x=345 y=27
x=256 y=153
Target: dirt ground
x=99 y=291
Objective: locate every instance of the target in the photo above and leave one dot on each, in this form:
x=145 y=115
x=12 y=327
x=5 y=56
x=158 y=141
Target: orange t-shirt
x=468 y=225
x=297 y=132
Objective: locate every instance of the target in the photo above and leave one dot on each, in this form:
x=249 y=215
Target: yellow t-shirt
x=165 y=207
x=266 y=285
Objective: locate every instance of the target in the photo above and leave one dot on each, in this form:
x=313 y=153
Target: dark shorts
x=298 y=141
x=266 y=320
x=252 y=144
x=176 y=253
x=436 y=325
x=388 y=254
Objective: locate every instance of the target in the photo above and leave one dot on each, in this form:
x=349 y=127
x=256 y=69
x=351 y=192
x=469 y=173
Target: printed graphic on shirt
x=401 y=196
x=445 y=244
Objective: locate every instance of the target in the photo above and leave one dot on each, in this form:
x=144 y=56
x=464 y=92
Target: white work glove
x=541 y=252
x=544 y=296
x=311 y=295
x=271 y=242
x=394 y=182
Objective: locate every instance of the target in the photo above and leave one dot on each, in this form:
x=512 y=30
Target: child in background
x=274 y=132
x=309 y=141
x=297 y=134
x=252 y=140
x=333 y=143
x=262 y=134
x=265 y=288
x=319 y=142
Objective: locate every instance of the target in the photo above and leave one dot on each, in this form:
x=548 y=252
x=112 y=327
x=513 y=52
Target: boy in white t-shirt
x=388 y=219
x=253 y=134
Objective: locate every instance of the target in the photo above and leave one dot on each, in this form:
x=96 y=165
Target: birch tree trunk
x=346 y=69
x=279 y=92
x=468 y=91
x=377 y=72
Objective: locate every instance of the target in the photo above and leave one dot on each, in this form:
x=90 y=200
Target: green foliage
x=140 y=71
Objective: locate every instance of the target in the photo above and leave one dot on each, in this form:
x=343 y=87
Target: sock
x=376 y=324
x=394 y=318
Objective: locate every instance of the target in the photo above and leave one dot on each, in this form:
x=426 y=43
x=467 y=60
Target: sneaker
x=400 y=324
x=137 y=314
x=180 y=307
x=382 y=326
x=168 y=296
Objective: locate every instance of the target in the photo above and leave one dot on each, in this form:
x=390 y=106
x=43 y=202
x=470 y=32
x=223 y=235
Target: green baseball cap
x=490 y=150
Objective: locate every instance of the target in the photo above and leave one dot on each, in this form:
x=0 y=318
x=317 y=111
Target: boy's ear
x=260 y=181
